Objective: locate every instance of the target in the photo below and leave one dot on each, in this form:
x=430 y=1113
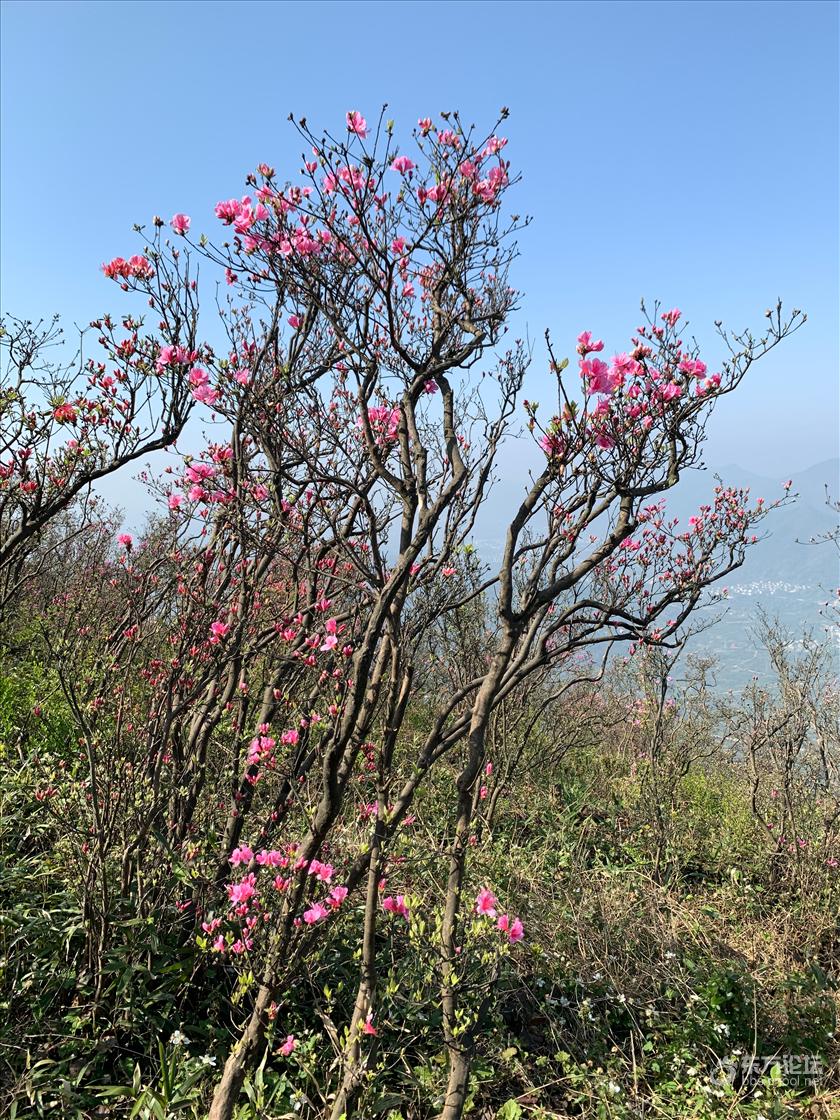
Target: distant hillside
x=784 y=574
x=789 y=577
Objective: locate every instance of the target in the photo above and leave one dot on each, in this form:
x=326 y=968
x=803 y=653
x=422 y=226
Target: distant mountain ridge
x=783 y=573
x=784 y=554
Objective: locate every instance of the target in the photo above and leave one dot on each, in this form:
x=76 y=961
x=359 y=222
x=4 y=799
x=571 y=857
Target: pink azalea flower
x=316 y=913
x=199 y=472
x=117 y=268
x=180 y=224
x=402 y=164
x=693 y=367
x=140 y=267
x=516 y=931
x=512 y=927
x=243 y=890
x=552 y=444
x=368 y=1027
x=65 y=413
x=338 y=895
x=357 y=123
x=173 y=355
x=598 y=376
x=384 y=422
x=270 y=859
x=218 y=631
x=288 y=1046
x=486 y=903
x=204 y=394
x=495 y=144
x=125 y=540
x=585 y=343
x=396 y=905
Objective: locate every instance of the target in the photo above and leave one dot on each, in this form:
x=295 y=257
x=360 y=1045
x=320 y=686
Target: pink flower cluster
x=486 y=905
x=384 y=423
x=202 y=390
x=65 y=414
x=320 y=910
x=174 y=356
x=396 y=905
x=241 y=213
x=218 y=630
x=357 y=124
x=136 y=267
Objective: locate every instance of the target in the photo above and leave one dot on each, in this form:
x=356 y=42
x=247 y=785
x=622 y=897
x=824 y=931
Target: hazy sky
x=687 y=151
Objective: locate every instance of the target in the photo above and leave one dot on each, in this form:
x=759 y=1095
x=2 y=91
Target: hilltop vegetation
x=308 y=809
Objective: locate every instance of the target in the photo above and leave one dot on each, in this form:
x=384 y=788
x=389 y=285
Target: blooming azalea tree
x=65 y=425
x=293 y=607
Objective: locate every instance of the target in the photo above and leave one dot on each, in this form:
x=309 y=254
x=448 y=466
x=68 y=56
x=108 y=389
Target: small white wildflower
x=178 y=1039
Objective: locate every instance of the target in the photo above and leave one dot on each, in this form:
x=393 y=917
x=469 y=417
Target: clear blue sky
x=681 y=150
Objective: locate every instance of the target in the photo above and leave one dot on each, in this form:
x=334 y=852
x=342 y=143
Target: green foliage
x=628 y=995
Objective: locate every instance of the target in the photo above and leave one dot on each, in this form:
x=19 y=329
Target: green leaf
x=390 y=1100
x=510 y=1110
